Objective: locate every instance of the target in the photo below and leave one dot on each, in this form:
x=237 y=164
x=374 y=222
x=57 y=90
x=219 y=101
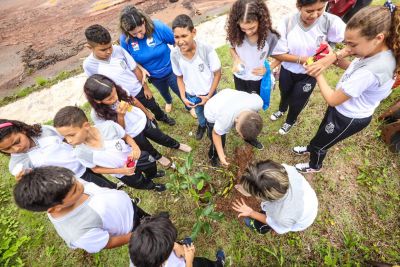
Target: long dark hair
x=131 y=17
x=34 y=130
x=246 y=11
x=98 y=87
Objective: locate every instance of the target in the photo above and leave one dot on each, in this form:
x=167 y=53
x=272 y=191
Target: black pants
x=295 y=89
x=145 y=165
x=152 y=132
x=334 y=128
x=212 y=152
x=152 y=105
x=203 y=262
x=98 y=179
x=247 y=86
x=138 y=215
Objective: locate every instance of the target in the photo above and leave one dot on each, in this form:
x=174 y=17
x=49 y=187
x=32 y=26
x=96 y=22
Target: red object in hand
x=130 y=163
x=323 y=48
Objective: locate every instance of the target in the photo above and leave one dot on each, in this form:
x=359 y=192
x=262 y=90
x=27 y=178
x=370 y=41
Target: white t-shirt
x=223 y=108
x=297 y=210
x=252 y=58
x=172 y=261
x=113 y=153
x=301 y=41
x=50 y=150
x=198 y=72
x=119 y=68
x=135 y=121
x=107 y=212
x=367 y=82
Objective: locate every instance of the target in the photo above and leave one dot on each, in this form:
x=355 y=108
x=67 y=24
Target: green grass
x=358 y=194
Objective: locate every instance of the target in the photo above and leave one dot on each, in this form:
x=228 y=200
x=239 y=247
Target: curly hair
x=34 y=130
x=98 y=87
x=97 y=35
x=373 y=20
x=247 y=11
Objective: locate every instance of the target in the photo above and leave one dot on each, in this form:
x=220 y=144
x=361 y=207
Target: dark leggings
x=98 y=179
x=334 y=128
x=248 y=86
x=152 y=132
x=145 y=165
x=295 y=89
x=203 y=262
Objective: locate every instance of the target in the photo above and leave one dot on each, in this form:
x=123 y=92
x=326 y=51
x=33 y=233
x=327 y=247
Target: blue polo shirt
x=152 y=52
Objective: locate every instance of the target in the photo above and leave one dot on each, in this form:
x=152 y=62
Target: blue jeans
x=163 y=84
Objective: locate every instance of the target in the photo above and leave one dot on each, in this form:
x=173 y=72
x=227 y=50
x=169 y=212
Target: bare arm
x=104 y=170
x=245 y=211
x=117 y=241
x=332 y=97
x=139 y=104
x=135 y=148
x=291 y=58
x=217 y=140
x=139 y=76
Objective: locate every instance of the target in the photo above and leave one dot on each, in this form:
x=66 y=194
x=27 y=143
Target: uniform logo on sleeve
x=307 y=87
x=150 y=42
x=320 y=39
x=118 y=146
x=135 y=46
x=329 y=128
x=201 y=67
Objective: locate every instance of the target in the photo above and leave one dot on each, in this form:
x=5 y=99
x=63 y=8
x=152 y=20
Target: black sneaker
x=159 y=174
x=285 y=128
x=159 y=187
x=220 y=257
x=200 y=132
x=215 y=162
x=168 y=120
x=256 y=144
x=120 y=185
x=276 y=115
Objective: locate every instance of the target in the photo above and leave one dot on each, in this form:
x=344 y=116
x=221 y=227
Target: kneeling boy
x=227 y=108
x=85 y=216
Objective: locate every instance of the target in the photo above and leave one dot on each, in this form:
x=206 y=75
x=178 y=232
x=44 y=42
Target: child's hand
x=223 y=161
x=123 y=107
x=150 y=116
x=128 y=171
x=236 y=64
x=204 y=100
x=147 y=93
x=135 y=154
x=259 y=71
x=189 y=252
x=242 y=208
x=188 y=103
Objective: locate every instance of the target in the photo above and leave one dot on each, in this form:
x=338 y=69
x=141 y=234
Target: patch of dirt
x=244 y=155
x=43 y=38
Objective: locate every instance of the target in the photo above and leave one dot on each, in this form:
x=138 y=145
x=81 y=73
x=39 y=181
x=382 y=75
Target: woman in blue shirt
x=147 y=42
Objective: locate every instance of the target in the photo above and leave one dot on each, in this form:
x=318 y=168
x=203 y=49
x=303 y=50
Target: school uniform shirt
x=113 y=153
x=135 y=120
x=49 y=150
x=152 y=52
x=223 y=108
x=172 y=261
x=301 y=41
x=367 y=81
x=297 y=210
x=118 y=68
x=252 y=57
x=198 y=72
x=106 y=213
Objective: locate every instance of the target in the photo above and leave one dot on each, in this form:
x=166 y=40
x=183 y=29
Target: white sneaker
x=305 y=168
x=285 y=128
x=300 y=150
x=276 y=115
x=120 y=185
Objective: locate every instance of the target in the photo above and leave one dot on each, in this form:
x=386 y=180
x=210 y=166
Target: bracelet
x=298 y=60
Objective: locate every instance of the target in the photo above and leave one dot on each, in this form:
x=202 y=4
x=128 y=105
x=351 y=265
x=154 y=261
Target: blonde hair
x=374 y=20
x=267 y=180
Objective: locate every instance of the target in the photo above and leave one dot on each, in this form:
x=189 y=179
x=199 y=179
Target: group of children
x=60 y=169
